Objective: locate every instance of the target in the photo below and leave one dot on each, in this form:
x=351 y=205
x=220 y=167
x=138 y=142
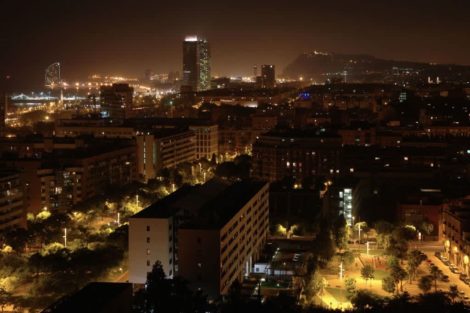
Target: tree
x=427 y=227
x=425 y=283
x=366 y=300
x=389 y=284
x=339 y=232
x=398 y=274
x=384 y=230
x=435 y=274
x=315 y=285
x=415 y=258
x=397 y=248
x=453 y=292
x=347 y=257
x=350 y=286
x=367 y=272
x=5 y=298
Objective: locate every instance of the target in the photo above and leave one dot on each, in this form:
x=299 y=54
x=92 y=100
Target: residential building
x=220 y=245
x=209 y=234
x=296 y=153
x=12 y=211
x=268 y=76
x=207 y=140
x=96 y=298
x=57 y=174
x=163 y=148
x=456 y=232
x=116 y=101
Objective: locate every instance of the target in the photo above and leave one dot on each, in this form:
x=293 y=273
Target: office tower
x=116 y=101
x=196 y=64
x=268 y=76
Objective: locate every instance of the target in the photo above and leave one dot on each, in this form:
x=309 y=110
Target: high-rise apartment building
x=12 y=212
x=209 y=234
x=196 y=64
x=116 y=101
x=268 y=76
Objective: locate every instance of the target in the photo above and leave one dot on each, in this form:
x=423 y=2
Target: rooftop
x=211 y=205
x=94 y=297
x=219 y=210
x=190 y=198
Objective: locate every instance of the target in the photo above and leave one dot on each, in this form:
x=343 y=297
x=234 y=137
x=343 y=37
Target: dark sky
x=127 y=37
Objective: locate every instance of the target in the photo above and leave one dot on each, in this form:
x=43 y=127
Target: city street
x=429 y=248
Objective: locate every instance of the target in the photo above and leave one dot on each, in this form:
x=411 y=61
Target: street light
x=65 y=237
x=359 y=230
x=262 y=279
x=341 y=271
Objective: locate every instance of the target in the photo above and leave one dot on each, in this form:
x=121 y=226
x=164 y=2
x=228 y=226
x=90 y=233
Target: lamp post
x=359 y=231
x=341 y=271
x=65 y=237
x=262 y=279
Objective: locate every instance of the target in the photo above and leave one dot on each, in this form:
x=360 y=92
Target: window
x=148 y=251
x=148 y=228
x=148 y=239
x=199 y=240
x=148 y=263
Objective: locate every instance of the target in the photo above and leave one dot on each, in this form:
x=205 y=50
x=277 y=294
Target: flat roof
x=191 y=198
x=211 y=205
x=218 y=211
x=91 y=298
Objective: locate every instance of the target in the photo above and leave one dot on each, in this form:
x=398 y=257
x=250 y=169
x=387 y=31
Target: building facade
x=209 y=234
x=207 y=140
x=196 y=64
x=116 y=101
x=164 y=148
x=58 y=176
x=12 y=211
x=297 y=154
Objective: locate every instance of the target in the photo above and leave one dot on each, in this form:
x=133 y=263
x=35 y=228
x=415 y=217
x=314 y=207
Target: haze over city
x=234 y=156
x=123 y=37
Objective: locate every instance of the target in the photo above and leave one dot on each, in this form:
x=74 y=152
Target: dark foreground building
x=96 y=298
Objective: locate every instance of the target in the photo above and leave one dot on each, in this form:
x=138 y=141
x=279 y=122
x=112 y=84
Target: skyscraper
x=196 y=63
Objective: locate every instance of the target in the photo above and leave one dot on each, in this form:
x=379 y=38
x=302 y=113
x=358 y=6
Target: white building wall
x=150 y=240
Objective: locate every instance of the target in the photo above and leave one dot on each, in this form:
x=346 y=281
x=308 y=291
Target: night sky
x=127 y=37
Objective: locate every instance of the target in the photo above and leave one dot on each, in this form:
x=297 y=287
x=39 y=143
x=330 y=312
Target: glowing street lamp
x=65 y=237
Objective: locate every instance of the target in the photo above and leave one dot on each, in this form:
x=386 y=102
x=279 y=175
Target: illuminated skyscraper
x=196 y=63
x=52 y=76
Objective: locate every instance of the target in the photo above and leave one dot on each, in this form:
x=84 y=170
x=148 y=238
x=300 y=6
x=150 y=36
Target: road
x=429 y=248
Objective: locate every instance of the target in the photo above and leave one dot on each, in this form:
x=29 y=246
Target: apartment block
x=12 y=213
x=209 y=234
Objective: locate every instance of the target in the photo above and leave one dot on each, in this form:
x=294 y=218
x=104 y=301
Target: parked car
x=437 y=254
x=454 y=270
x=445 y=278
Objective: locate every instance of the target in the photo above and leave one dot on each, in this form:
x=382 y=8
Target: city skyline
x=144 y=35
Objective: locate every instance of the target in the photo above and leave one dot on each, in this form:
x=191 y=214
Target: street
x=429 y=248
